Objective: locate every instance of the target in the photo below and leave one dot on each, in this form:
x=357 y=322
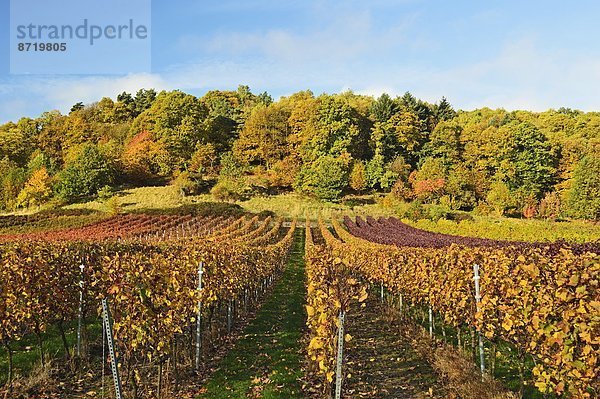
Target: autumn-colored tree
x=500 y=197
x=402 y=134
x=284 y=172
x=429 y=188
x=37 y=189
x=358 y=179
x=176 y=121
x=12 y=180
x=530 y=160
x=204 y=161
x=143 y=158
x=429 y=181
x=263 y=140
x=18 y=141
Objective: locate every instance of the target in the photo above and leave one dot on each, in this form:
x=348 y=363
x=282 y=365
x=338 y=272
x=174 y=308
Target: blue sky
x=510 y=54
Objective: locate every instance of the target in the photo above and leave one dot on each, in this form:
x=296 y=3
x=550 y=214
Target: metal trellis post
x=199 y=317
x=477 y=300
x=114 y=362
x=80 y=312
x=340 y=356
x=430 y=322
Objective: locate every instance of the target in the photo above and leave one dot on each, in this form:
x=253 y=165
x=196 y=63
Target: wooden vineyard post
x=80 y=311
x=114 y=362
x=477 y=300
x=340 y=356
x=199 y=317
x=382 y=293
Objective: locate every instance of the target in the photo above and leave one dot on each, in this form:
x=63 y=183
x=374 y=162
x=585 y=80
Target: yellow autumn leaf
x=329 y=376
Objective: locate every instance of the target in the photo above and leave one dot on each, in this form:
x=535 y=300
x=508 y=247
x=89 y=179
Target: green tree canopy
x=530 y=161
x=584 y=196
x=89 y=171
x=324 y=178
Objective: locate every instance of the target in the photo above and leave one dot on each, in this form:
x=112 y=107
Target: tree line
x=238 y=144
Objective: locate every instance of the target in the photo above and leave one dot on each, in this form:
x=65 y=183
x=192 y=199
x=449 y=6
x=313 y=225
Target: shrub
x=187 y=184
x=113 y=205
x=484 y=209
x=460 y=217
x=402 y=191
x=530 y=209
x=437 y=212
x=228 y=189
x=230 y=167
x=415 y=211
x=550 y=206
x=105 y=193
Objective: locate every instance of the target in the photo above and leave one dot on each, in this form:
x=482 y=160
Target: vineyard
x=154 y=300
x=166 y=280
x=542 y=299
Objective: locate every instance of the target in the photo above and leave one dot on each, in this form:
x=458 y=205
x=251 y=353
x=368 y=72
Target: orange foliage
x=424 y=188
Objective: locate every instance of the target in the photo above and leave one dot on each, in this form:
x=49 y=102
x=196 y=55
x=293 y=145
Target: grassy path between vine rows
x=267 y=361
x=382 y=362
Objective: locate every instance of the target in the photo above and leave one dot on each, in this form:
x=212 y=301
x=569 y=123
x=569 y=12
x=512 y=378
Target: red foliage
x=428 y=187
x=123 y=227
x=392 y=231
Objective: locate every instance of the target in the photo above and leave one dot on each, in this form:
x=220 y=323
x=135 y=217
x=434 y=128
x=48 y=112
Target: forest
x=236 y=145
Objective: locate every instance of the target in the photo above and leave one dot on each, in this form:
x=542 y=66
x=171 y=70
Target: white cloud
x=331 y=37
x=62 y=92
x=521 y=75
x=525 y=76
x=90 y=89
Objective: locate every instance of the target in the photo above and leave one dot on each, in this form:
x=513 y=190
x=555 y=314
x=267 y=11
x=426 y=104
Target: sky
x=507 y=54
